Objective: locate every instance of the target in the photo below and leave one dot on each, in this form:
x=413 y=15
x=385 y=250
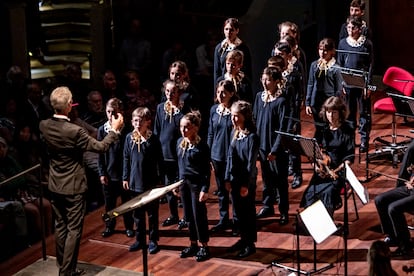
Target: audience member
x=379 y=260
x=26 y=192
x=135 y=52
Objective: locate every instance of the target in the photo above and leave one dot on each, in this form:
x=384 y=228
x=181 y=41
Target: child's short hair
x=277 y=61
x=116 y=104
x=358 y=4
x=327 y=44
x=273 y=72
x=142 y=112
x=354 y=21
x=236 y=55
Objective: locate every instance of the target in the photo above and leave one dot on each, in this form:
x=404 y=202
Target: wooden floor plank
x=275 y=243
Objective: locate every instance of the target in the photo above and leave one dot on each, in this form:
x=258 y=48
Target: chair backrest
x=399 y=79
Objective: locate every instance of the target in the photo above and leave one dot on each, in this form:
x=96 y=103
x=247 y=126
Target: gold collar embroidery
x=187 y=145
x=325 y=66
x=138 y=139
x=172 y=110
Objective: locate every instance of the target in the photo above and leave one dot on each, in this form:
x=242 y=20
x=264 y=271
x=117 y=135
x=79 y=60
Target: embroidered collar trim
x=356 y=43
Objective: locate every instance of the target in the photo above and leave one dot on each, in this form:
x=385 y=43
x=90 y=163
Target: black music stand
x=138 y=202
x=310 y=148
x=358 y=79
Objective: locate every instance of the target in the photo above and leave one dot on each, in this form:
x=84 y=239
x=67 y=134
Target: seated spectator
x=21 y=191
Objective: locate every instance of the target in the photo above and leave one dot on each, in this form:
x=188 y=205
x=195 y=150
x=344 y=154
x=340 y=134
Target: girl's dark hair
x=355 y=21
x=327 y=44
x=274 y=72
x=245 y=108
x=228 y=86
x=194 y=117
x=234 y=22
x=334 y=103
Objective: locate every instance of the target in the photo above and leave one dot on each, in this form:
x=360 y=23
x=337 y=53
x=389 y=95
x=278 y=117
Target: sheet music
x=360 y=190
x=318 y=221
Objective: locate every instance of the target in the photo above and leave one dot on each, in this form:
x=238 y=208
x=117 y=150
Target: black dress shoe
x=171 y=220
x=189 y=251
x=182 y=223
x=129 y=233
x=247 y=251
x=265 y=212
x=135 y=246
x=203 y=254
x=284 y=219
x=107 y=232
x=153 y=247
x=297 y=181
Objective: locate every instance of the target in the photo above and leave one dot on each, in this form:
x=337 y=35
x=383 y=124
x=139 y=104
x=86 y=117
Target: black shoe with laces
x=284 y=219
x=171 y=220
x=247 y=251
x=203 y=254
x=190 y=251
x=107 y=232
x=182 y=224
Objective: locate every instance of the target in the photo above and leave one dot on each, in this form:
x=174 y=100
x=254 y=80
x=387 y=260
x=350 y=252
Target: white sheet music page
x=360 y=190
x=318 y=221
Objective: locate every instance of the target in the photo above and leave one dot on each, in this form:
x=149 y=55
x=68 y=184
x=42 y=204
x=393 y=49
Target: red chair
x=399 y=81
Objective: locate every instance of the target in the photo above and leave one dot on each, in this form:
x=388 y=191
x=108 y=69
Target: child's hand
x=203 y=196
x=104 y=180
x=125 y=184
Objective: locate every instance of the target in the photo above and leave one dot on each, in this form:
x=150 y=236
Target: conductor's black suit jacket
x=66 y=143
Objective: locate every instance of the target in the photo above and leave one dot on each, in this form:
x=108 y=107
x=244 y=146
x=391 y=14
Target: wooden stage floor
x=275 y=243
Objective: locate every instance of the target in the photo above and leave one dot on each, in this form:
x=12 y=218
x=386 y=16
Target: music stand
x=310 y=148
x=138 y=202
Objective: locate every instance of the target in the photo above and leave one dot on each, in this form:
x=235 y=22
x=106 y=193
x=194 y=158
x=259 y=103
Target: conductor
x=66 y=143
